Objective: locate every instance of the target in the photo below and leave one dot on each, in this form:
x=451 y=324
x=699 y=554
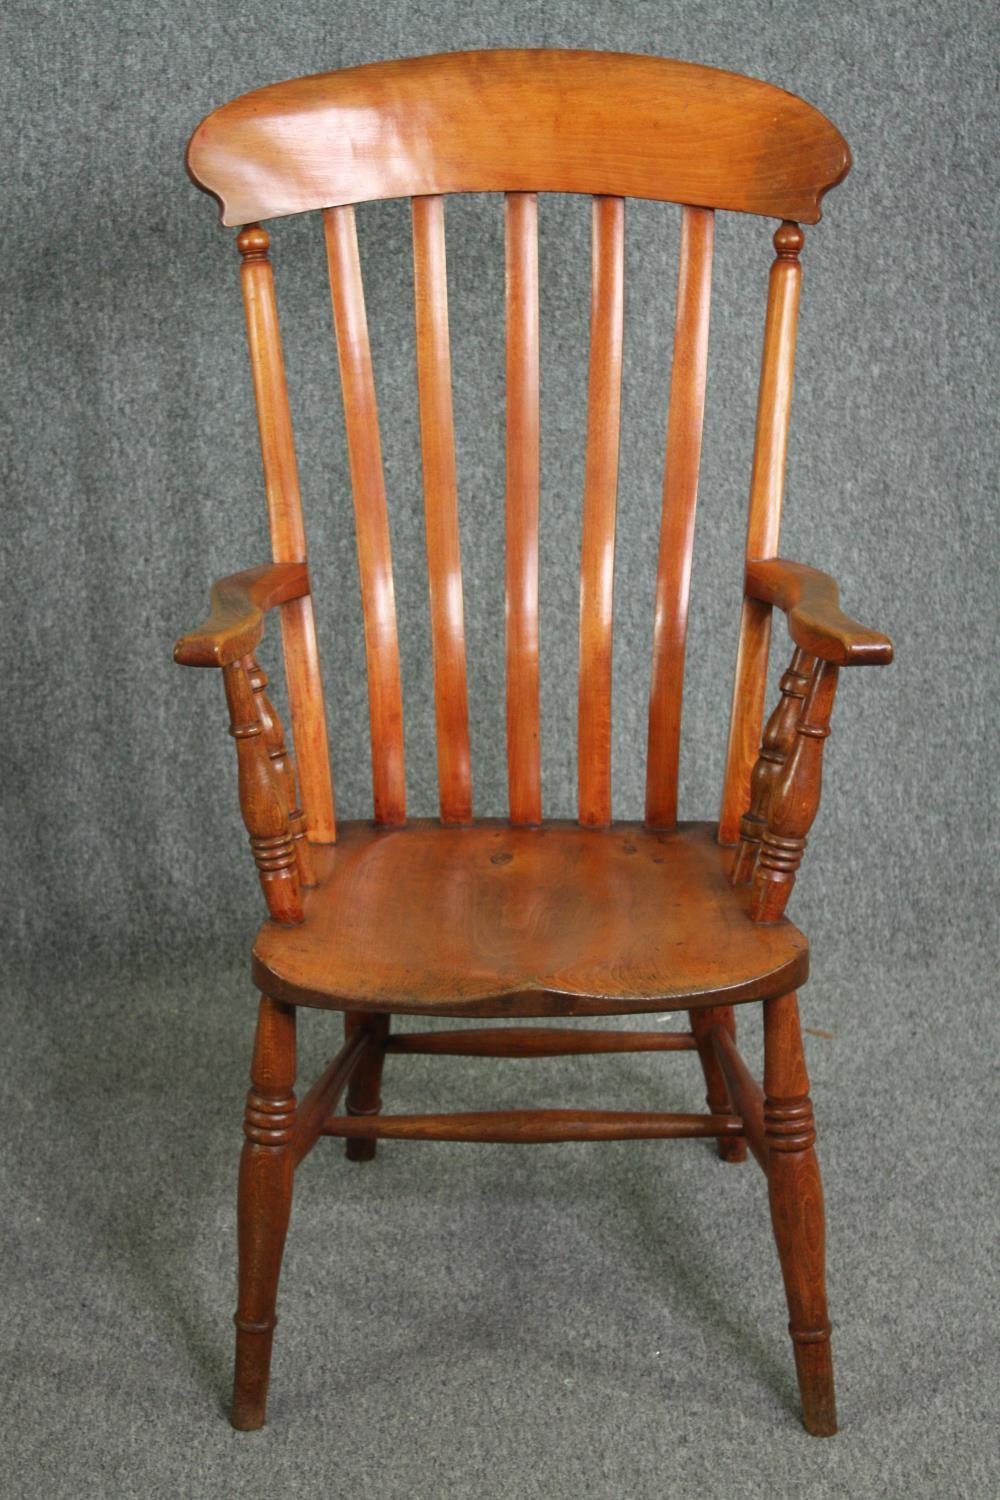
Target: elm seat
x=491 y=920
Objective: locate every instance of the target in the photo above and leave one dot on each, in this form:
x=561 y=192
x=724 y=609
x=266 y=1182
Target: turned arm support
x=239 y=603
x=267 y=782
x=816 y=623
x=787 y=778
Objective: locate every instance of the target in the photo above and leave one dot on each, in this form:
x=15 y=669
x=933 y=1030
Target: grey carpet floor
x=488 y=1321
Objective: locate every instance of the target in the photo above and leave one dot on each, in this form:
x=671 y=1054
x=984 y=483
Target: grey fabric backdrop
x=131 y=479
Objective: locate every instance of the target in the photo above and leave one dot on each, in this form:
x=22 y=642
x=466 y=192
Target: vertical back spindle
x=600 y=493
x=444 y=561
x=680 y=498
x=385 y=703
x=523 y=476
x=288 y=543
x=763 y=526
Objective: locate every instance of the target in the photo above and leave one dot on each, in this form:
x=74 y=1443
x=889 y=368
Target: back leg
x=732 y=1147
x=364 y=1095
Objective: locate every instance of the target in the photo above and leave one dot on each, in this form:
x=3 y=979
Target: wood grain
x=795 y=1193
x=541 y=120
x=264 y=1203
x=775 y=748
x=288 y=539
x=521 y=918
x=262 y=801
x=742 y=1089
x=282 y=768
x=767 y=483
x=536 y=1041
x=794 y=800
x=524 y=783
x=385 y=700
x=600 y=495
x=521 y=1127
x=444 y=560
x=703 y=1023
x=499 y=921
x=680 y=498
x=239 y=603
x=816 y=623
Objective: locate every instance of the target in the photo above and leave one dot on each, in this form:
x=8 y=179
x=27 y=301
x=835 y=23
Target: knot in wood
x=788 y=240
x=253 y=242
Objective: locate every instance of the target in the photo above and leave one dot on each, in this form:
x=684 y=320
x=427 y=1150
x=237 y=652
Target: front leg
x=264 y=1205
x=796 y=1199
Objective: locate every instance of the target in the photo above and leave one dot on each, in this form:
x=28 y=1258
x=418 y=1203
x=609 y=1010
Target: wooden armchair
x=526 y=918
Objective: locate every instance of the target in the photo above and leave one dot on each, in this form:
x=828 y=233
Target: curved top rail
x=543 y=120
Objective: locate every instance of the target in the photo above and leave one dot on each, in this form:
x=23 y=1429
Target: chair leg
x=796 y=1199
x=264 y=1204
x=734 y=1147
x=364 y=1089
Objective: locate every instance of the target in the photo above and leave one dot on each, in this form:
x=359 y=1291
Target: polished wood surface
x=542 y=120
x=794 y=800
x=238 y=606
x=523 y=918
x=703 y=1023
x=322 y=1099
x=767 y=487
x=262 y=801
x=500 y=921
x=385 y=701
x=364 y=1095
x=288 y=539
x=775 y=747
x=444 y=561
x=524 y=783
x=680 y=497
x=600 y=495
x=264 y=1202
x=516 y=1127
x=282 y=768
x=796 y=1198
x=816 y=623
x=536 y=1041
x=742 y=1089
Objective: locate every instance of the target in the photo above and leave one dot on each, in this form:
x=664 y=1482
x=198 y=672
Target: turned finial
x=788 y=240
x=253 y=242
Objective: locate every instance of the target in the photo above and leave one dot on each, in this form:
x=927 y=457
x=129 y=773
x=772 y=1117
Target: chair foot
x=363 y=1091
x=732 y=1147
x=814 y=1369
x=264 y=1205
x=253 y=1365
x=795 y=1193
x=358 y=1150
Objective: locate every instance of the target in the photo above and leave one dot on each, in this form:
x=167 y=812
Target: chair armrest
x=239 y=604
x=810 y=600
